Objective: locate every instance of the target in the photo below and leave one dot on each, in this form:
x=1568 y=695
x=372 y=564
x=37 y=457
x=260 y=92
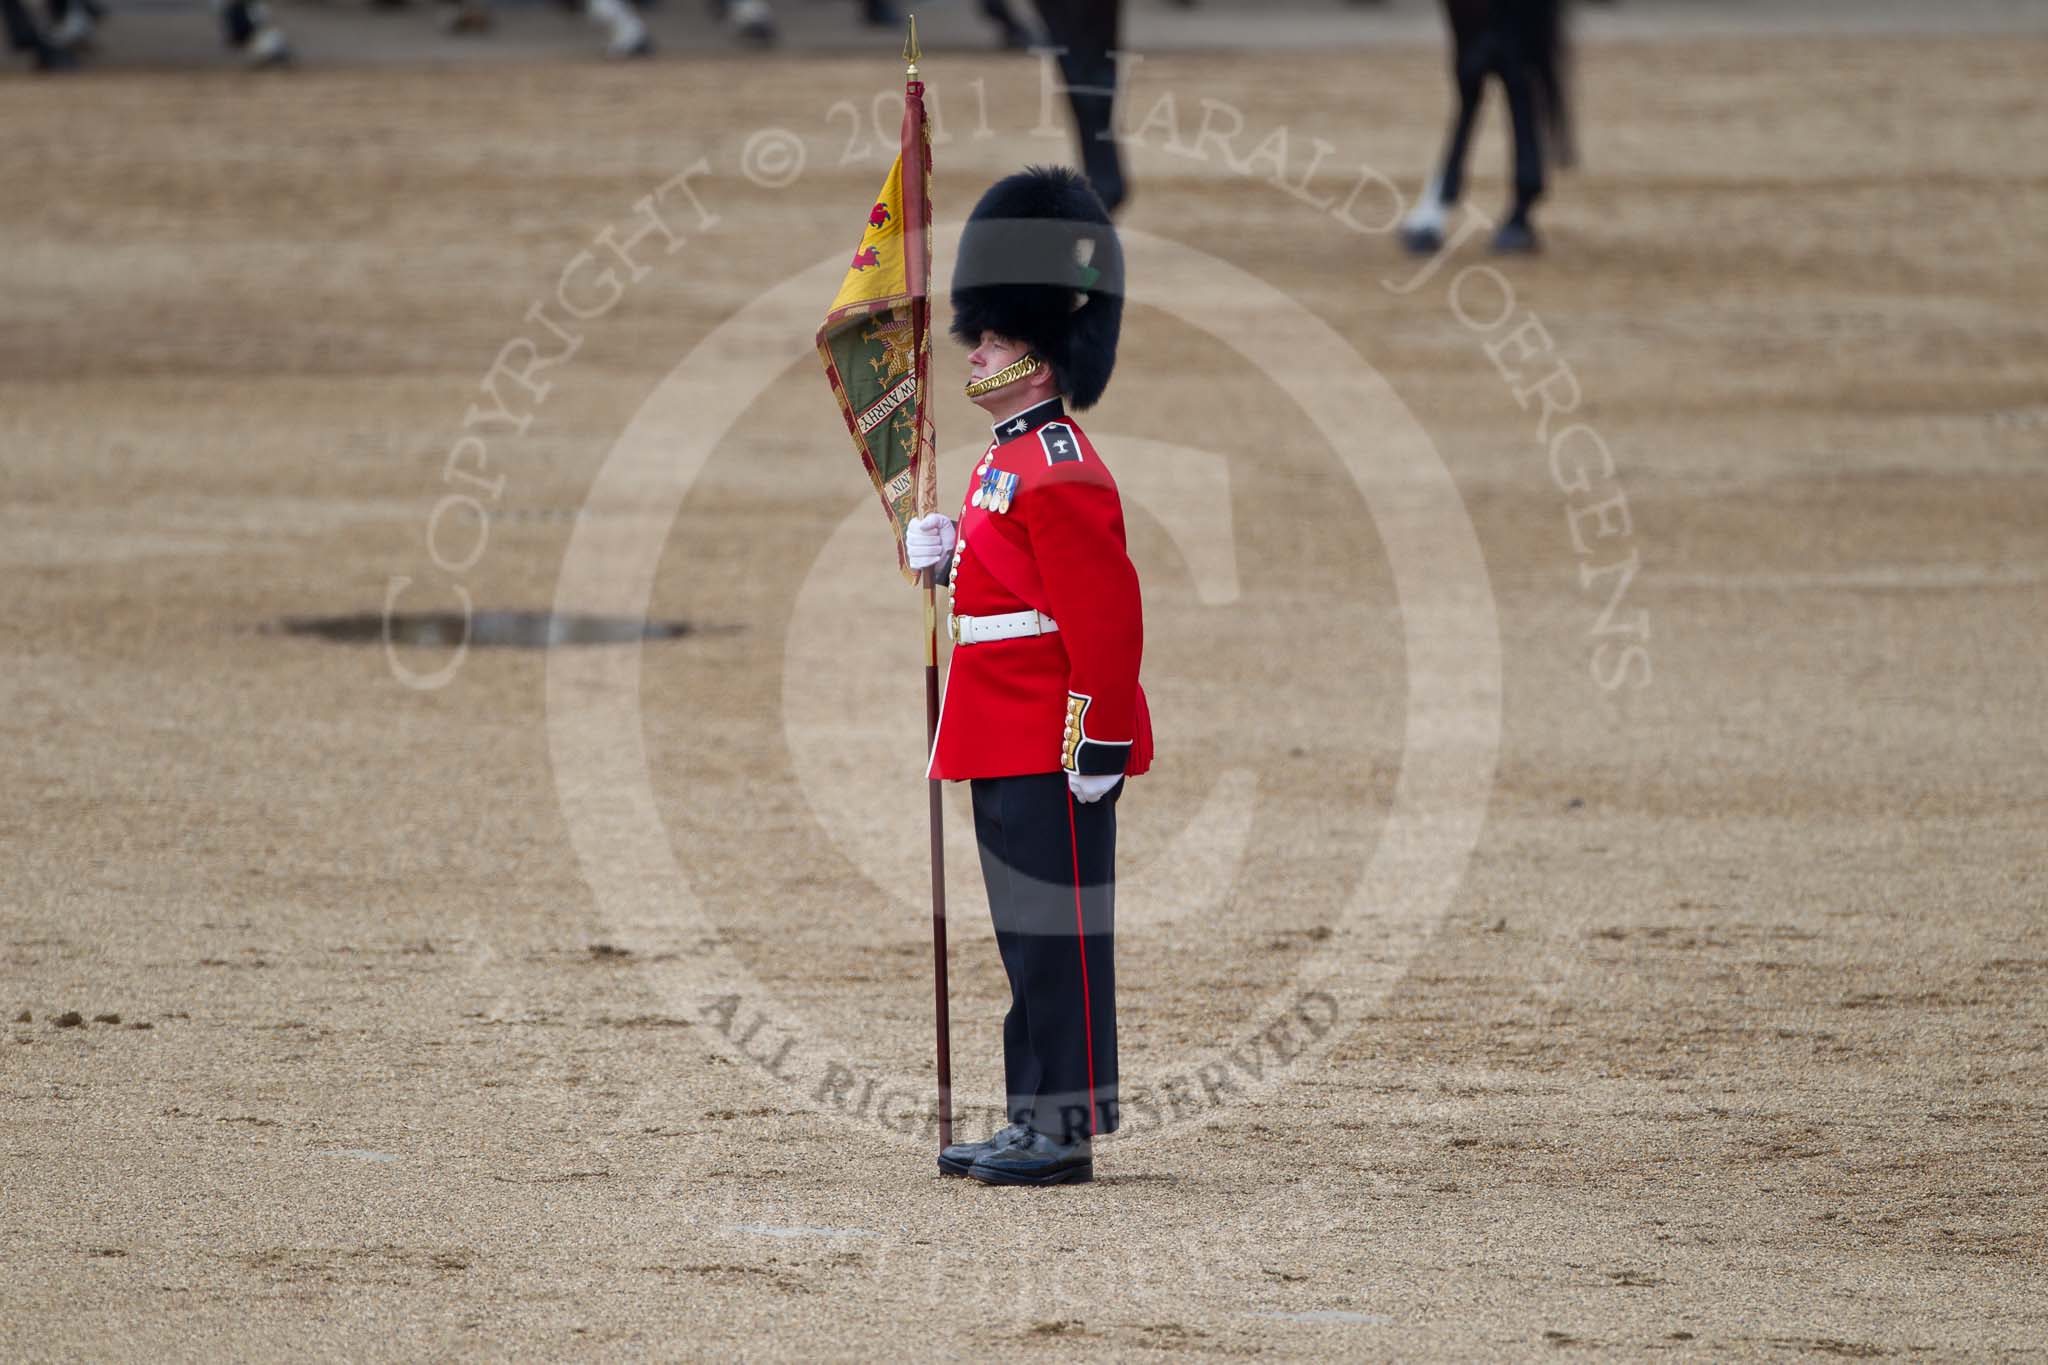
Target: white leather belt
x=1016 y=625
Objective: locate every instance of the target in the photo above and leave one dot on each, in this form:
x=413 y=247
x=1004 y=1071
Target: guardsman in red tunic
x=1043 y=714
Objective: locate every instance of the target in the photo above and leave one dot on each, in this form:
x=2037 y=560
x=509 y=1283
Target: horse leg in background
x=1009 y=32
x=246 y=26
x=1518 y=234
x=24 y=36
x=629 y=37
x=751 y=20
x=469 y=18
x=1084 y=32
x=71 y=22
x=1422 y=231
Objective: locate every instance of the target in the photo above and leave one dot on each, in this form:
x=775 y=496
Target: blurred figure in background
x=1009 y=32
x=1083 y=35
x=245 y=24
x=1522 y=43
x=24 y=34
x=72 y=22
x=625 y=34
x=70 y=25
x=752 y=21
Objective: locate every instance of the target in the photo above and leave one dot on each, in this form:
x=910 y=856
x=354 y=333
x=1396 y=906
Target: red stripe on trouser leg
x=1081 y=943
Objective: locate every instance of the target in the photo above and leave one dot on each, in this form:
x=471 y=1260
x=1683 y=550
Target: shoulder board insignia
x=1061 y=445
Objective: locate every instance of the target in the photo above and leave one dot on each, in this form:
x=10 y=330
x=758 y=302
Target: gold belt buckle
x=952 y=628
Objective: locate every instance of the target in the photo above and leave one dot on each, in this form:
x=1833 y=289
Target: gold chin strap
x=1009 y=374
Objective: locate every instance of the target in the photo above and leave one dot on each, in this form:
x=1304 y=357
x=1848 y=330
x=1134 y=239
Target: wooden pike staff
x=918 y=262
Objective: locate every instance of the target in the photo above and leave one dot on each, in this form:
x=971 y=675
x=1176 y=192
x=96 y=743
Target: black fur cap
x=1040 y=263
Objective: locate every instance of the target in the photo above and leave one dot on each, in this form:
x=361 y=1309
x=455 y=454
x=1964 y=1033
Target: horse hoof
x=752 y=21
x=1422 y=241
x=1516 y=239
x=75 y=33
x=266 y=48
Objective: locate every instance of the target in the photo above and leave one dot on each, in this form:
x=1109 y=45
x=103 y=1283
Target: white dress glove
x=1087 y=790
x=929 y=540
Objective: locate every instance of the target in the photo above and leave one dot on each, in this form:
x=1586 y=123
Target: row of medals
x=993 y=489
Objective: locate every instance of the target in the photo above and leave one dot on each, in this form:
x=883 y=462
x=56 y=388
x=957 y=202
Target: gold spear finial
x=911 y=52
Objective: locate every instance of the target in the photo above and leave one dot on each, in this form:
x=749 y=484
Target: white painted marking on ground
x=773 y=1230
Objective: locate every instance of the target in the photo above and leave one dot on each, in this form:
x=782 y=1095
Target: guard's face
x=994 y=353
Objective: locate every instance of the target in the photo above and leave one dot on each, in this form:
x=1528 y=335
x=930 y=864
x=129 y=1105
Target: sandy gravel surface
x=1725 y=1040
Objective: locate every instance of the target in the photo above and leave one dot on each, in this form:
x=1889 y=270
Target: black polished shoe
x=961 y=1156
x=1036 y=1159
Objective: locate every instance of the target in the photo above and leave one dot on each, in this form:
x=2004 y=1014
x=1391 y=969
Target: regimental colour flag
x=876 y=340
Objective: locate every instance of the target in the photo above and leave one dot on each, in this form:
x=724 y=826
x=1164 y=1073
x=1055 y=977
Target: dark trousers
x=1049 y=863
x=1085 y=33
x=1492 y=52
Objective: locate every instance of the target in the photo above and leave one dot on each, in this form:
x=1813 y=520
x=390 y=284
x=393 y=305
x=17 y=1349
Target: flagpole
x=917 y=238
x=931 y=725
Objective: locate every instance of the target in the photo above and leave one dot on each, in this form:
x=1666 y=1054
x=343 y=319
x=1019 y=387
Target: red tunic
x=1058 y=547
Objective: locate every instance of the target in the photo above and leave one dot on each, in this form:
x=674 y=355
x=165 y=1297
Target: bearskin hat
x=1040 y=263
